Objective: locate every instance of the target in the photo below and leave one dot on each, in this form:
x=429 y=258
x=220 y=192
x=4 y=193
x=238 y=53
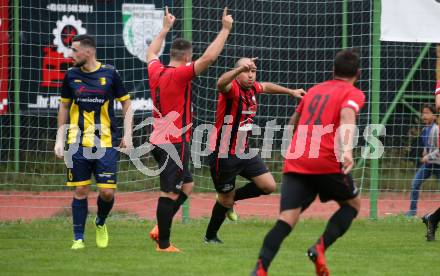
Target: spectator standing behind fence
x=431 y=156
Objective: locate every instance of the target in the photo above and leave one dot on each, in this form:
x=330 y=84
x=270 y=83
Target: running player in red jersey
x=170 y=87
x=312 y=165
x=237 y=107
x=431 y=220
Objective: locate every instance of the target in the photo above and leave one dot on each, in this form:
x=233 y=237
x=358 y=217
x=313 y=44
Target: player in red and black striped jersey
x=437 y=92
x=170 y=87
x=236 y=108
x=319 y=160
x=431 y=220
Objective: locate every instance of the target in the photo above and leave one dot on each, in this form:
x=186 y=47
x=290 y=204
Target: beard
x=79 y=63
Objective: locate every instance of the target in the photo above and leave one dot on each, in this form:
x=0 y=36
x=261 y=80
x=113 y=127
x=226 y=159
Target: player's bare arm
x=214 y=49
x=272 y=88
x=127 y=139
x=225 y=80
x=63 y=115
x=437 y=101
x=154 y=49
x=348 y=120
x=294 y=119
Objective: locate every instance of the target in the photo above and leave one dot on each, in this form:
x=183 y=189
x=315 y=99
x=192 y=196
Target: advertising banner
x=122 y=29
x=410 y=20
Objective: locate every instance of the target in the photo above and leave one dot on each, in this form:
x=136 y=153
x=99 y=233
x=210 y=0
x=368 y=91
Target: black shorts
x=172 y=177
x=225 y=170
x=300 y=190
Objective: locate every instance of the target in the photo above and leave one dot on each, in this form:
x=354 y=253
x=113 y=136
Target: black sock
x=164 y=216
x=104 y=208
x=435 y=217
x=272 y=242
x=79 y=217
x=179 y=201
x=338 y=224
x=249 y=190
x=217 y=218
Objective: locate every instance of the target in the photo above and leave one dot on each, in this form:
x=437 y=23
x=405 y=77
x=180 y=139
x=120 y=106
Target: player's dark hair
x=179 y=48
x=85 y=40
x=430 y=107
x=347 y=63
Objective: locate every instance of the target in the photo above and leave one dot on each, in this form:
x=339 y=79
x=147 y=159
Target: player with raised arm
x=236 y=107
x=318 y=162
x=87 y=96
x=170 y=87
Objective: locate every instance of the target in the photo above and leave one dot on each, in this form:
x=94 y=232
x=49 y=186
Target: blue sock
x=79 y=216
x=104 y=208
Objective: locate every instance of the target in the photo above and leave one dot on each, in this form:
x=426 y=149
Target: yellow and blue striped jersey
x=92 y=94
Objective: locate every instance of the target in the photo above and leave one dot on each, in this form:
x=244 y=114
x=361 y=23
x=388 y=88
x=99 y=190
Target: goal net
x=295 y=42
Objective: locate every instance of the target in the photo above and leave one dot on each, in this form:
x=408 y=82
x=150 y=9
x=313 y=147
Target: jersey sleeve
x=258 y=87
x=185 y=72
x=233 y=92
x=300 y=107
x=121 y=93
x=437 y=88
x=153 y=66
x=355 y=100
x=66 y=92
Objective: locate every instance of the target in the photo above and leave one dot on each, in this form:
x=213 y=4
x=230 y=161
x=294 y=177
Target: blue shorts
x=103 y=168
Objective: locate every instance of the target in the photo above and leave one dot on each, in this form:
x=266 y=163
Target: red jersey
x=312 y=150
x=437 y=88
x=437 y=91
x=171 y=93
x=233 y=120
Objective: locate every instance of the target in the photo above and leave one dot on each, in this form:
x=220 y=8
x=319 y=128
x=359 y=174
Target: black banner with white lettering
x=123 y=30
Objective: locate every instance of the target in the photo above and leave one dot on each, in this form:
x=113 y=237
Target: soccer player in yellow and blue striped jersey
x=87 y=102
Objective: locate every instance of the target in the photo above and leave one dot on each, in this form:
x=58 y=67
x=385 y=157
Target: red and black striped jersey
x=437 y=88
x=171 y=93
x=312 y=149
x=235 y=112
x=437 y=91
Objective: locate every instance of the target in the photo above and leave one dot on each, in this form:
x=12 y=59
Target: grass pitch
x=391 y=246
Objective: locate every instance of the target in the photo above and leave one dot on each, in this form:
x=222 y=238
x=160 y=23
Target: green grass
x=392 y=246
